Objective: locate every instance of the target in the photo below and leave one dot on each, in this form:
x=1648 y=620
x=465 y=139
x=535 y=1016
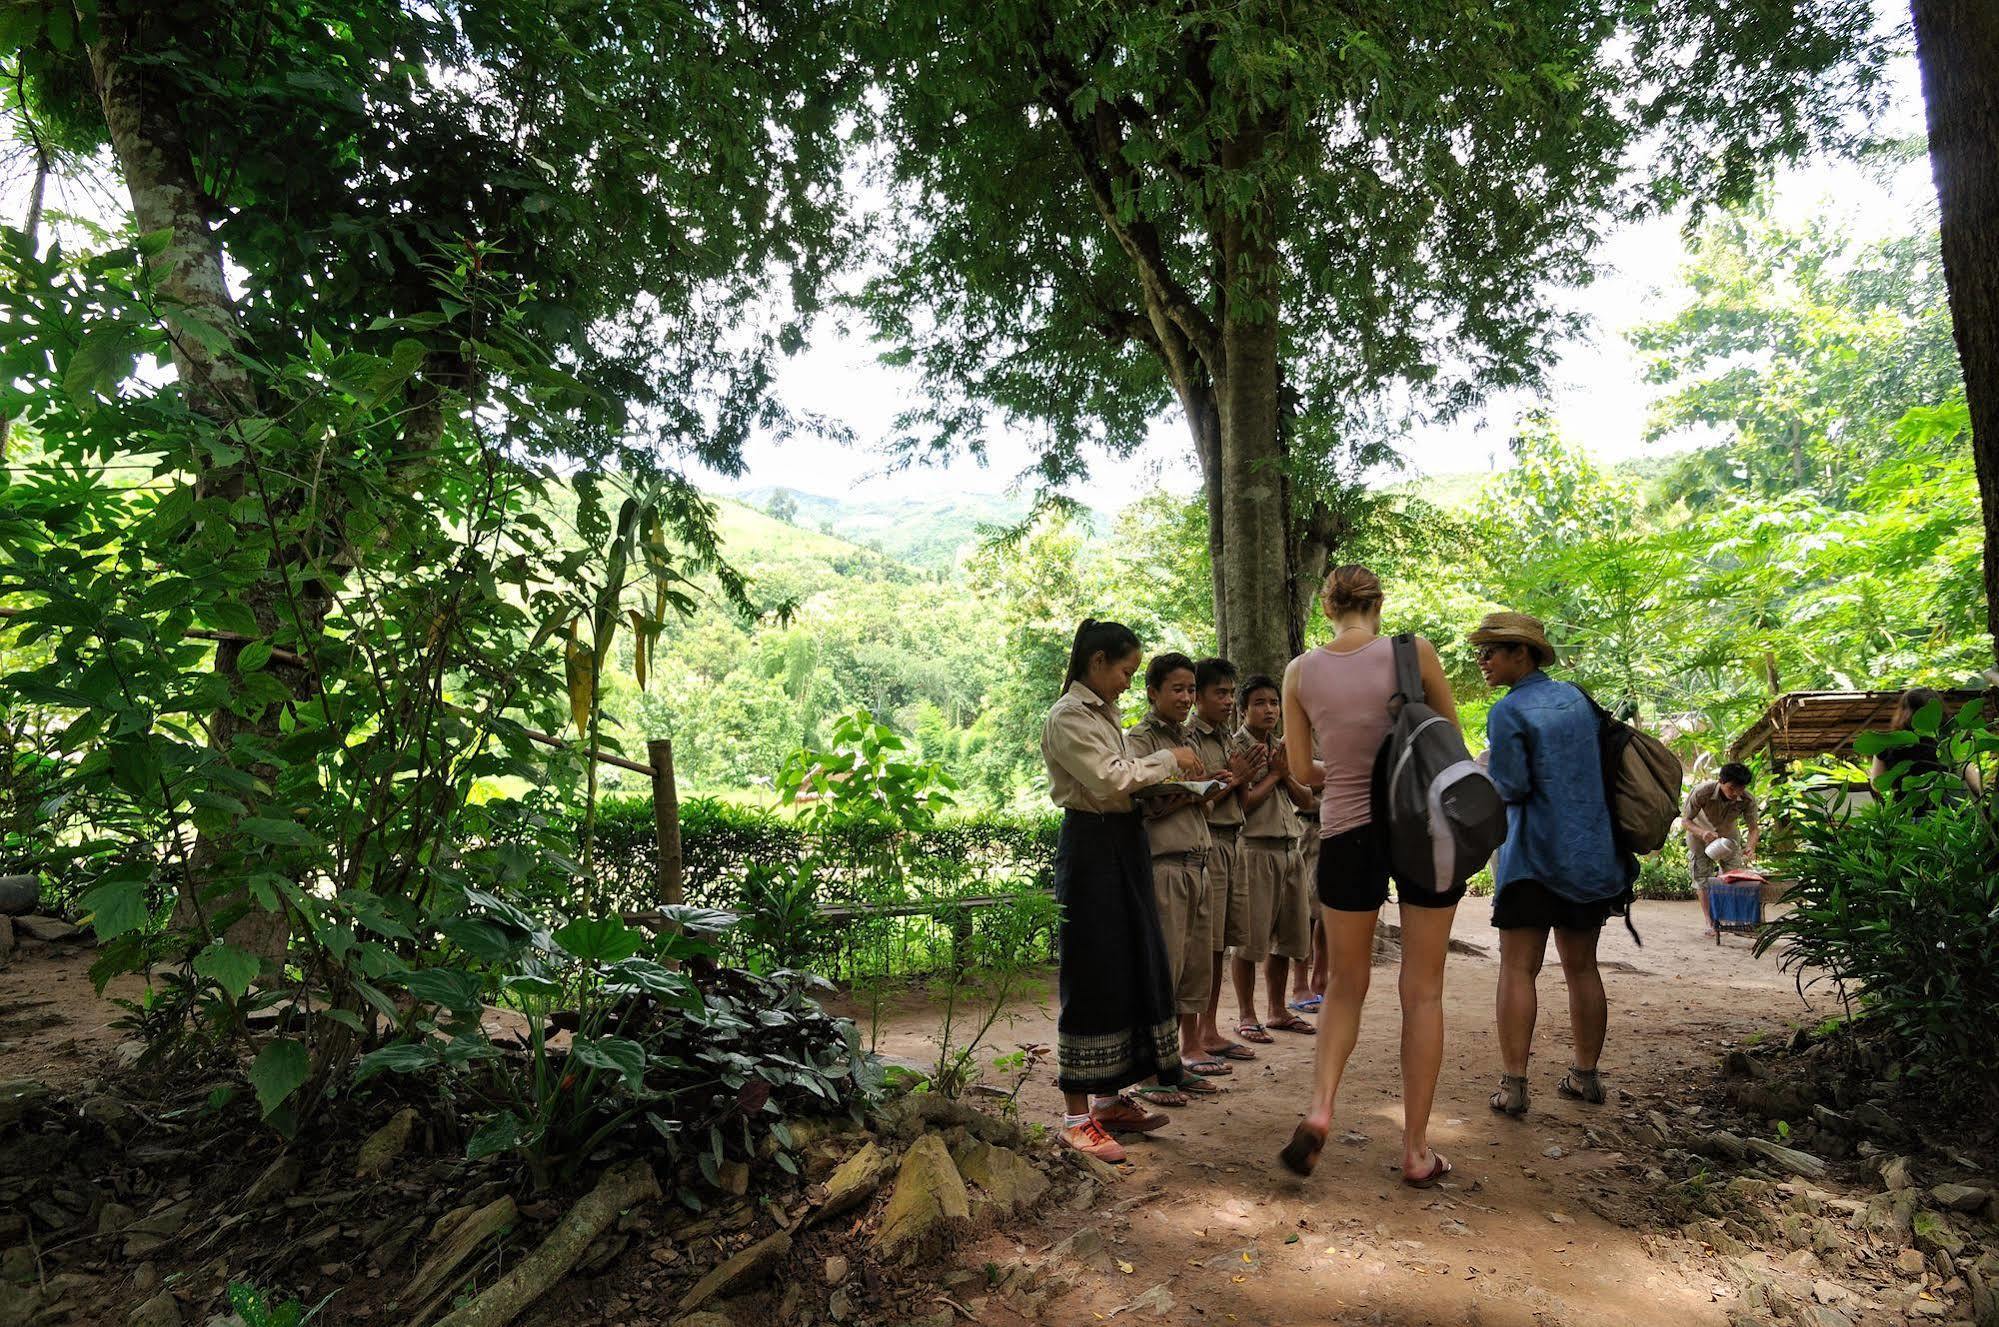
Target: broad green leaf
x=599 y=939
x=286 y=833
x=502 y=1133
x=230 y=968
x=617 y=1054
x=279 y=1070
x=116 y=907
x=454 y=990
x=403 y=1057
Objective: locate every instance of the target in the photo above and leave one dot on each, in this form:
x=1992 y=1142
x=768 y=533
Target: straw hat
x=1515 y=629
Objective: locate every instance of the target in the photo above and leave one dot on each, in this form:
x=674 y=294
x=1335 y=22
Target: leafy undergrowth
x=142 y=1187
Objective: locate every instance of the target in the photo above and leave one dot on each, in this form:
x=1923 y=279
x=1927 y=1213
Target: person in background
x=1921 y=757
x=1308 y=980
x=1177 y=830
x=1212 y=735
x=1559 y=869
x=1116 y=1026
x=1720 y=808
x=1279 y=912
x=1336 y=704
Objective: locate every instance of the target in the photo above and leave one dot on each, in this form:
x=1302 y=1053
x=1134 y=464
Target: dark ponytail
x=1113 y=640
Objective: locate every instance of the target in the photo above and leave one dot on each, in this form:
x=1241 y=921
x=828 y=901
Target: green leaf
x=454 y=990
x=502 y=1133
x=230 y=968
x=617 y=1054
x=280 y=1069
x=404 y=1057
x=599 y=939
x=115 y=907
x=285 y=833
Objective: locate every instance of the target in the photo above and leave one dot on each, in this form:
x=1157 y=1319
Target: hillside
x=928 y=533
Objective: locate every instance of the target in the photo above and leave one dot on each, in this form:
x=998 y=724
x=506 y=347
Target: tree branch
x=1099 y=148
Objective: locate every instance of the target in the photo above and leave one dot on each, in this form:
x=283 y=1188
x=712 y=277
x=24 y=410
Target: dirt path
x=1540 y=1227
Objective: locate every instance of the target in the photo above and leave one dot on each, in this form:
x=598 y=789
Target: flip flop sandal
x=1301 y=1154
x=1582 y=1085
x=1159 y=1095
x=1437 y=1172
x=1233 y=1051
x=1298 y=1025
x=1207 y=1068
x=1511 y=1099
x=1254 y=1032
x=1194 y=1085
x=1311 y=1004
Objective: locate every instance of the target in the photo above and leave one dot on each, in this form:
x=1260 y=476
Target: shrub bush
x=767 y=866
x=720 y=842
x=1897 y=904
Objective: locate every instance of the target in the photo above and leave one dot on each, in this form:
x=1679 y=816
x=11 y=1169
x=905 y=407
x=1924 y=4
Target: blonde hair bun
x=1350 y=589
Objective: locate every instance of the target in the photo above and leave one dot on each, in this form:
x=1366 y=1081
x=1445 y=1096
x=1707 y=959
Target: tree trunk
x=1957 y=48
x=1254 y=566
x=151 y=145
x=1204 y=422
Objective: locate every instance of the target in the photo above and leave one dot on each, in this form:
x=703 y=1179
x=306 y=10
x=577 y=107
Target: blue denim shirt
x=1546 y=766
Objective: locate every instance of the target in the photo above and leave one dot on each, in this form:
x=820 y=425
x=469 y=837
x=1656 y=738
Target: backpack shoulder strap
x=1408 y=672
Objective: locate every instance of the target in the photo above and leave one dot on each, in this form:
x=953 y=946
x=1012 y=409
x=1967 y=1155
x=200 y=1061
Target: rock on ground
x=929 y=1198
x=740 y=1272
x=162 y=1310
x=1009 y=1181
x=855 y=1181
x=385 y=1145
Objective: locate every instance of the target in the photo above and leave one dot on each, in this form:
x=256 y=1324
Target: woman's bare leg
x=1589 y=1012
x=1426 y=940
x=1351 y=937
x=1521 y=950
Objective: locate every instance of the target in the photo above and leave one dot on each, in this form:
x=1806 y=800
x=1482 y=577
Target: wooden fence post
x=666 y=822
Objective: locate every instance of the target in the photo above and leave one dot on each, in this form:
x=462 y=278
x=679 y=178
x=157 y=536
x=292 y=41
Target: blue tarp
x=1735 y=905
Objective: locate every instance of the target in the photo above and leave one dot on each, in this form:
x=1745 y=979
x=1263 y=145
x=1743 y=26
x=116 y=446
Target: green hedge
x=720 y=841
x=971 y=854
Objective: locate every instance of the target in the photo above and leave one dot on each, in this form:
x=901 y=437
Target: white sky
x=1597 y=395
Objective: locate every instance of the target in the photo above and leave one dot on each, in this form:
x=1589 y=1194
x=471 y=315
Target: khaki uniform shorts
x=1180 y=886
x=1279 y=906
x=1228 y=893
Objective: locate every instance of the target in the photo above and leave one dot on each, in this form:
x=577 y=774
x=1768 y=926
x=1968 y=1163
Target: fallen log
x=622 y=1187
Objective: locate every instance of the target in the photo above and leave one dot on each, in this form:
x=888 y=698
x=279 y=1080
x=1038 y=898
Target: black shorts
x=1531 y=905
x=1353 y=874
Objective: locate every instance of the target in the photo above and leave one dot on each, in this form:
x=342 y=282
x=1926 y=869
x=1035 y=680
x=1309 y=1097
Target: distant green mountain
x=925 y=533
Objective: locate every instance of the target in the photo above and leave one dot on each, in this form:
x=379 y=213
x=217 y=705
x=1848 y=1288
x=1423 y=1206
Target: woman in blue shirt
x=1559 y=869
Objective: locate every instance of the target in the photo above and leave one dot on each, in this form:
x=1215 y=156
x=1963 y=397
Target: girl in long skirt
x=1117 y=1025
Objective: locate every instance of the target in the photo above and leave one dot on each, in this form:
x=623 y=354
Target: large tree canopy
x=1288 y=218
x=1804 y=346
x=661 y=180
x=644 y=194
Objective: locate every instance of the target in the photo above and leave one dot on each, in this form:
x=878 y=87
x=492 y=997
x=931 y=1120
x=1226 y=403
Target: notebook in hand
x=1193 y=787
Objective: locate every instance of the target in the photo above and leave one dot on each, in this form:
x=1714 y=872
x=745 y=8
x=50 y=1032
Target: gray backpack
x=1443 y=816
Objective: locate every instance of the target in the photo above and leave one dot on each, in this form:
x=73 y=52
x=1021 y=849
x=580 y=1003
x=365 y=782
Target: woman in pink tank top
x=1335 y=719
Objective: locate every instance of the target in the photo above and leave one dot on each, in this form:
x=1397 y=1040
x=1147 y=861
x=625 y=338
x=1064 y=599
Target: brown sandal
x=1302 y=1152
x=1441 y=1168
x=1291 y=1023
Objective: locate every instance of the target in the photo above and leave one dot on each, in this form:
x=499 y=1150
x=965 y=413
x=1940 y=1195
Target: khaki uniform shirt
x=1183 y=829
x=1091 y=767
x=1274 y=817
x=1215 y=746
x=1716 y=813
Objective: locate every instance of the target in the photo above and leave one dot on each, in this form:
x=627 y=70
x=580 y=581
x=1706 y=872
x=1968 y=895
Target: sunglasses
x=1487 y=651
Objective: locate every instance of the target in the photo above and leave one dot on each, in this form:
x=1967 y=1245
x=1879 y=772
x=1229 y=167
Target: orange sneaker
x=1126 y=1115
x=1090 y=1139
